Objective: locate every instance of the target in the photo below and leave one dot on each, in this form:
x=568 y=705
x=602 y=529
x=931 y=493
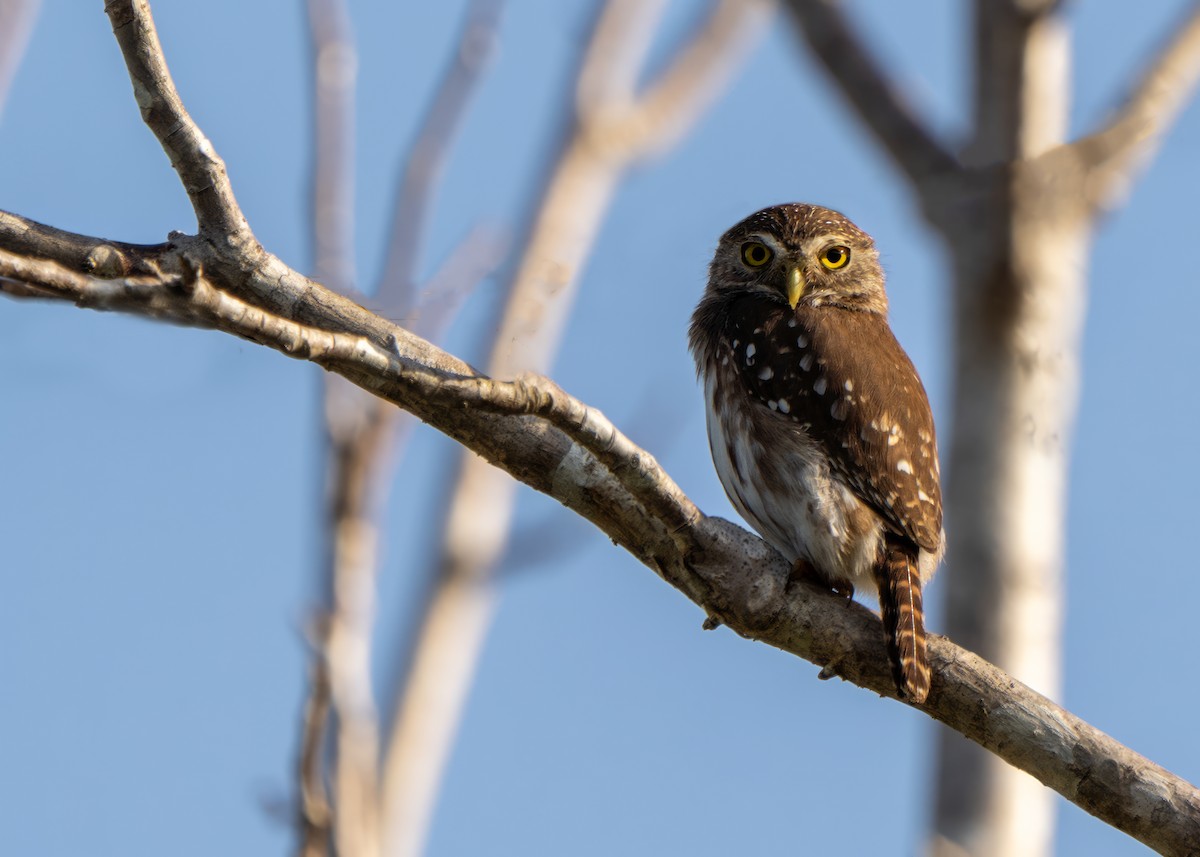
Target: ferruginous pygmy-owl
x=819 y=426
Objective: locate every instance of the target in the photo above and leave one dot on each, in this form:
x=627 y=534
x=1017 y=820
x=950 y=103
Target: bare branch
x=16 y=24
x=732 y=574
x=856 y=71
x=1132 y=136
x=423 y=166
x=197 y=163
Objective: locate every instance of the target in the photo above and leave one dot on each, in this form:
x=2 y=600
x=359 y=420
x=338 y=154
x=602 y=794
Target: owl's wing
x=842 y=374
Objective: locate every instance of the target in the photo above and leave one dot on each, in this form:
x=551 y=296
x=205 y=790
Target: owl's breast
x=780 y=479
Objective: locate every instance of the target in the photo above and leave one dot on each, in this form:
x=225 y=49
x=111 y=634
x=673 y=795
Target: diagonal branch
x=569 y=453
x=854 y=69
x=1132 y=136
x=193 y=157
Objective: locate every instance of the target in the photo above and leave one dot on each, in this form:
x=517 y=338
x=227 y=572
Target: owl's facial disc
x=795 y=286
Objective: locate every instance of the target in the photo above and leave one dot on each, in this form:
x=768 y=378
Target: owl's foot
x=803 y=571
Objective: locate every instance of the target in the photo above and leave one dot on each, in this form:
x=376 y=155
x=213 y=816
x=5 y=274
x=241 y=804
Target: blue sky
x=159 y=520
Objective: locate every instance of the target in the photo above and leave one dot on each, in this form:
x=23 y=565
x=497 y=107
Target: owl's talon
x=802 y=571
x=711 y=623
x=827 y=672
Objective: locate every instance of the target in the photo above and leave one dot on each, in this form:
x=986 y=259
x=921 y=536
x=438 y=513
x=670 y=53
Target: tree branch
x=195 y=160
x=569 y=452
x=1131 y=137
x=858 y=74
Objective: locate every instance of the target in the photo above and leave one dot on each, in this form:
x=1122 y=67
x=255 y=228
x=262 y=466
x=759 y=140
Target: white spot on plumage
x=849 y=385
x=773 y=405
x=820 y=386
x=784 y=406
x=750 y=351
x=766 y=373
x=923 y=497
x=806 y=362
x=903 y=466
x=792 y=323
x=802 y=341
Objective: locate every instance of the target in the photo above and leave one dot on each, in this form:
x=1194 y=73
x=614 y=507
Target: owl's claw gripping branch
x=820 y=429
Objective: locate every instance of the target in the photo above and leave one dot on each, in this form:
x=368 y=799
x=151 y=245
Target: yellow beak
x=795 y=289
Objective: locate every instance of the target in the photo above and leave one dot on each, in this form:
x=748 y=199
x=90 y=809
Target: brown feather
x=903 y=620
x=820 y=428
x=879 y=433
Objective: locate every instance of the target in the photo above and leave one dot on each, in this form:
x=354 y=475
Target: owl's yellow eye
x=835 y=257
x=756 y=254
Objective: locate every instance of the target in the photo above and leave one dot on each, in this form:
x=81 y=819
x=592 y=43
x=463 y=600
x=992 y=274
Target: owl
x=819 y=426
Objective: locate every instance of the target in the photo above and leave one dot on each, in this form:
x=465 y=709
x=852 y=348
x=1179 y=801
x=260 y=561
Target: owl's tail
x=904 y=620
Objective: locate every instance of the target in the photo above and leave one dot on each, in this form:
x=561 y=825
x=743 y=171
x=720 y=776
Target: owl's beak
x=795 y=289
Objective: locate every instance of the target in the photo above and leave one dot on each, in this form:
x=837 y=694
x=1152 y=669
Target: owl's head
x=800 y=254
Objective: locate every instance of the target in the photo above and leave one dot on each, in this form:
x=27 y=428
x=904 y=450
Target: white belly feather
x=788 y=493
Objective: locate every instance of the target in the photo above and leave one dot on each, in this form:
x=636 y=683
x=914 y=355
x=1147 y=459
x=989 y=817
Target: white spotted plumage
x=819 y=426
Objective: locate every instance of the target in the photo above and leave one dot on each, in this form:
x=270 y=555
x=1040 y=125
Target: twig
x=197 y=163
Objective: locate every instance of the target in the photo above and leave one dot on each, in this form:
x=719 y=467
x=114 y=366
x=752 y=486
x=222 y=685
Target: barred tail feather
x=904 y=620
